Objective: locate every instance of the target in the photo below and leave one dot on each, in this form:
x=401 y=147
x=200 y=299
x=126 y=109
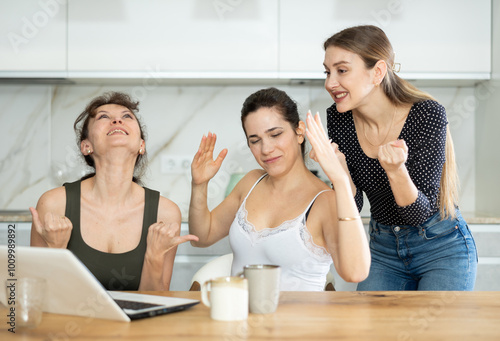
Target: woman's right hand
x=204 y=167
x=55 y=230
x=162 y=237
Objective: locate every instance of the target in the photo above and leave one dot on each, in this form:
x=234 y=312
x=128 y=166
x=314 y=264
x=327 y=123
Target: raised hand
x=55 y=230
x=340 y=156
x=204 y=167
x=331 y=160
x=393 y=155
x=163 y=237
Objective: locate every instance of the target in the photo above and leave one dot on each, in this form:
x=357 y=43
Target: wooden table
x=401 y=316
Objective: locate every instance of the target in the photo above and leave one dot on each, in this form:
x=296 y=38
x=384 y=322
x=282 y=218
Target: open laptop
x=73 y=290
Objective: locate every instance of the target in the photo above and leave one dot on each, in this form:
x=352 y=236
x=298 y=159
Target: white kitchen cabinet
x=446 y=39
x=234 y=39
x=33 y=38
x=168 y=37
x=487 y=238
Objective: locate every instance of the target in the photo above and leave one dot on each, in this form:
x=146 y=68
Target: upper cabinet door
x=33 y=36
x=192 y=36
x=446 y=38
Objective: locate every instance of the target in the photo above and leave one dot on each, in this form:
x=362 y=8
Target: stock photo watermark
x=87 y=309
x=424 y=317
x=151 y=81
x=384 y=16
x=464 y=110
x=244 y=329
x=30 y=26
x=222 y=7
x=11 y=282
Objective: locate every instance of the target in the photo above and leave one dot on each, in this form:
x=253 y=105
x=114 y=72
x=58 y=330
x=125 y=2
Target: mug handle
x=204 y=292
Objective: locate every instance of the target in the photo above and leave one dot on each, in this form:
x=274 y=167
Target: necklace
x=386 y=135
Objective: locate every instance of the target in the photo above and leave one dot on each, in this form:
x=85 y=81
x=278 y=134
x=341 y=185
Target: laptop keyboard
x=134 y=305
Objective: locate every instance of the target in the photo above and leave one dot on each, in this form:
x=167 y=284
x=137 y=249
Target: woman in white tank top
x=282 y=214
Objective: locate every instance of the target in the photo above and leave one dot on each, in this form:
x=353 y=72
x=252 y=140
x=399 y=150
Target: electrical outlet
x=175 y=164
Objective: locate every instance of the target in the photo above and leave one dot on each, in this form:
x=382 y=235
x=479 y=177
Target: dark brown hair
x=81 y=127
x=273 y=98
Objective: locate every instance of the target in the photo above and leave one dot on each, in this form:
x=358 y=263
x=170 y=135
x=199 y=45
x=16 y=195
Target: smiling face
x=274 y=143
x=113 y=125
x=348 y=81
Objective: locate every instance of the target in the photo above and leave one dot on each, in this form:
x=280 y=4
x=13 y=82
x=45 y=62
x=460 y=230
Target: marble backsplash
x=39 y=149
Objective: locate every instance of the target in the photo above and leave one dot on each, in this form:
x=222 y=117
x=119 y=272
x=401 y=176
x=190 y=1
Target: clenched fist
x=55 y=230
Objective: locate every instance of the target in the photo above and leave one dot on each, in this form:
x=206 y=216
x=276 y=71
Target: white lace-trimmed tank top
x=304 y=265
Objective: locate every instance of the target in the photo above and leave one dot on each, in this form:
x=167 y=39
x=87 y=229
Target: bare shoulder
x=317 y=185
x=326 y=196
x=53 y=201
x=249 y=180
x=325 y=201
x=242 y=188
x=168 y=211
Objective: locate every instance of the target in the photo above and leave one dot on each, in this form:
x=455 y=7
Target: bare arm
x=162 y=241
x=209 y=226
x=343 y=162
x=342 y=226
x=50 y=228
x=341 y=157
x=346 y=240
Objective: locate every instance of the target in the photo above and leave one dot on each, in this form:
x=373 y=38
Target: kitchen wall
x=487 y=135
x=39 y=148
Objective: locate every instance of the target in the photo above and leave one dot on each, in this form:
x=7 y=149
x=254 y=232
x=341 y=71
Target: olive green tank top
x=115 y=271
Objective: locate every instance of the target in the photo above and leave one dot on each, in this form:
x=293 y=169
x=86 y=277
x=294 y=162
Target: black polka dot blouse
x=425 y=135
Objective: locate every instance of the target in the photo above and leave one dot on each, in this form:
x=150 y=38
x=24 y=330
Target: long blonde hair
x=371 y=44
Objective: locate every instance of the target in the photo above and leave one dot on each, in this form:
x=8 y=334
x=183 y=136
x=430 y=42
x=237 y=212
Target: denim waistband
x=435 y=218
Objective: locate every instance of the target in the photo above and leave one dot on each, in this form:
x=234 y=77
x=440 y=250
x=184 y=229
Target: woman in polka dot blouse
x=399 y=151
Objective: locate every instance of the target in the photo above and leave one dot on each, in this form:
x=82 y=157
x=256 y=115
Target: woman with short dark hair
x=127 y=235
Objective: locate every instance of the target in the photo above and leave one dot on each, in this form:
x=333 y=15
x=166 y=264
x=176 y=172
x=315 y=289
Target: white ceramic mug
x=263 y=287
x=228 y=298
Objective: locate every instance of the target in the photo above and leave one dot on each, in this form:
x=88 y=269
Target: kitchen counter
x=380 y=315
x=15 y=216
x=189 y=259
x=25 y=216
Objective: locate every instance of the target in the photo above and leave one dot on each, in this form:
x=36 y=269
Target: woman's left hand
x=393 y=155
x=162 y=237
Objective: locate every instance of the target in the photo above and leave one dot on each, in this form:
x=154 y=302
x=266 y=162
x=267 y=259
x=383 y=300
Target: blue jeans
x=437 y=255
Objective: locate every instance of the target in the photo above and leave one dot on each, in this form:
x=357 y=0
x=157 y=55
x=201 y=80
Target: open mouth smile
x=117 y=131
